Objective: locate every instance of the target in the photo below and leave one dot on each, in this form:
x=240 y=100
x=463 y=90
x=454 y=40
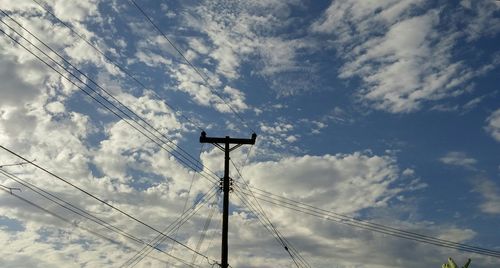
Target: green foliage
x=452 y=264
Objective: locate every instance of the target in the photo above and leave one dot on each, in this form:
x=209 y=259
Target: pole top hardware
x=205 y=139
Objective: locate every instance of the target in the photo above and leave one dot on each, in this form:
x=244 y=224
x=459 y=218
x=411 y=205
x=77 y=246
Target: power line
x=183 y=159
x=298 y=260
x=285 y=243
x=68 y=206
x=203 y=77
x=114 y=63
x=8 y=190
x=16 y=164
x=105 y=203
x=296 y=204
x=353 y=222
x=277 y=237
x=204 y=231
x=190 y=187
x=281 y=239
x=175 y=225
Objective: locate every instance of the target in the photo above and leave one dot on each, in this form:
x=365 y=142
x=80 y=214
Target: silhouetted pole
x=227 y=141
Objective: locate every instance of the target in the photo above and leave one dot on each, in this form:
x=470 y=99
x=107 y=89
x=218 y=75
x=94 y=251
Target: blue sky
x=385 y=110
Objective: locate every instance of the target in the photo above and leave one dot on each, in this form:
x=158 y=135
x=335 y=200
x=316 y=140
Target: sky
x=387 y=111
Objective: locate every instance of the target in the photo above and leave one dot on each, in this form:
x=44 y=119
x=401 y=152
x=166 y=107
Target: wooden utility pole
x=226 y=181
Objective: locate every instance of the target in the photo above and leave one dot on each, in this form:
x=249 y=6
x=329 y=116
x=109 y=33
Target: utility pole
x=226 y=181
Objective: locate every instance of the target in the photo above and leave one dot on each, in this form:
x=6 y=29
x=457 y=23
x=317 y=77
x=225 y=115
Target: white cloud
x=241 y=32
x=485 y=22
x=42 y=117
x=235 y=99
x=344 y=183
x=55 y=107
x=493 y=125
x=77 y=12
x=291 y=138
x=15 y=89
x=491 y=195
x=458 y=159
x=399 y=54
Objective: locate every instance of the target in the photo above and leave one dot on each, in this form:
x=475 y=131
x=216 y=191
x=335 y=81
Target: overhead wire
x=132 y=261
x=287 y=245
x=253 y=210
x=191 y=185
x=210 y=242
x=269 y=195
x=76 y=210
x=79 y=211
x=128 y=215
x=257 y=209
x=185 y=160
x=191 y=65
x=353 y=222
x=68 y=206
x=15 y=164
x=204 y=231
x=283 y=241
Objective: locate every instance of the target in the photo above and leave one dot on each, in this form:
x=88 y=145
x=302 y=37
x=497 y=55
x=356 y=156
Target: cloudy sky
x=386 y=110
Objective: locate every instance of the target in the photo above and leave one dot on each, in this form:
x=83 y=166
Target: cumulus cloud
x=15 y=89
x=349 y=182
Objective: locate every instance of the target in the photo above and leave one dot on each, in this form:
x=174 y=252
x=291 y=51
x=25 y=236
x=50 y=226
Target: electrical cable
x=170 y=228
x=380 y=228
x=204 y=231
x=342 y=217
x=191 y=184
x=79 y=226
x=212 y=238
x=280 y=237
x=104 y=202
x=68 y=206
x=258 y=216
x=286 y=244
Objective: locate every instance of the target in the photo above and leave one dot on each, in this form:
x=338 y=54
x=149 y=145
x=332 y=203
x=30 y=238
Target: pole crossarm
x=227 y=139
x=224 y=144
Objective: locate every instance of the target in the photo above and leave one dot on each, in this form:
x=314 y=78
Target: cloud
x=493 y=125
x=15 y=89
x=250 y=32
x=45 y=118
x=485 y=22
x=491 y=195
x=402 y=54
x=344 y=183
x=458 y=159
